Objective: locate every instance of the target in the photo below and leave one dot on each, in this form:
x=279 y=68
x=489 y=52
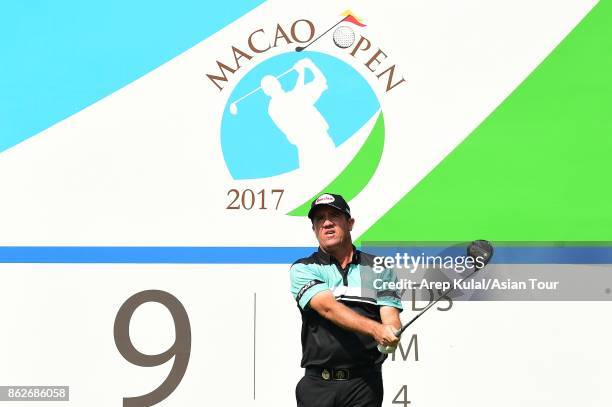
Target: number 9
x=180 y=349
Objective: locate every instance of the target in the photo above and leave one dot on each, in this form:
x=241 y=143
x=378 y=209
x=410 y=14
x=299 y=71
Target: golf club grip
x=389 y=349
x=386 y=349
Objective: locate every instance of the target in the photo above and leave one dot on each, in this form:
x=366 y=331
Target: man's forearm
x=301 y=78
x=346 y=318
x=326 y=305
x=390 y=316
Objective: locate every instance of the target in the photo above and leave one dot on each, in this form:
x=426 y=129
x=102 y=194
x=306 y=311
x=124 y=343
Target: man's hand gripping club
x=327 y=306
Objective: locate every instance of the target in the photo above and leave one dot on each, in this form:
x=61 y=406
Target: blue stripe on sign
x=60 y=56
x=156 y=255
x=276 y=255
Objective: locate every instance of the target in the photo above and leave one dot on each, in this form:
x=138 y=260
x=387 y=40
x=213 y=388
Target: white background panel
x=58 y=329
x=144 y=166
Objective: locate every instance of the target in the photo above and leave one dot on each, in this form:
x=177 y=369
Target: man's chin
x=331 y=244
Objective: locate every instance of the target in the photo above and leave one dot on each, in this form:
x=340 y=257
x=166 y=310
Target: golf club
x=478 y=248
x=300 y=49
x=234 y=105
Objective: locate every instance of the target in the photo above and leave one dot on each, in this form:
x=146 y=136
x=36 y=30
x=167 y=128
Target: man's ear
x=351 y=223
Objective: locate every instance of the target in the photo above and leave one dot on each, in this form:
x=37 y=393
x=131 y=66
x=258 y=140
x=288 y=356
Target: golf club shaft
x=390 y=349
x=406 y=325
x=300 y=49
x=259 y=87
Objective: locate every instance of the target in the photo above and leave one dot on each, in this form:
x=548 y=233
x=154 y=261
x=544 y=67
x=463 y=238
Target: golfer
x=295 y=114
x=343 y=320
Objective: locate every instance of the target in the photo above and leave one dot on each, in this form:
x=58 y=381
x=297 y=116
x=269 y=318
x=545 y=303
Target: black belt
x=328 y=373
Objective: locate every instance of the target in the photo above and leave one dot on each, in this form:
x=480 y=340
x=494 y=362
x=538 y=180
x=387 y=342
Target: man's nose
x=328 y=222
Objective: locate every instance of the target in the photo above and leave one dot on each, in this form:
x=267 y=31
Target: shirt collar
x=328 y=259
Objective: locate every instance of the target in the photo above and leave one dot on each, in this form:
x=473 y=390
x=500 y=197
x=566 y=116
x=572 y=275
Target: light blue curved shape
x=253 y=147
x=60 y=56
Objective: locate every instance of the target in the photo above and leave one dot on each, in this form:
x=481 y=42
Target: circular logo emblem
x=294 y=110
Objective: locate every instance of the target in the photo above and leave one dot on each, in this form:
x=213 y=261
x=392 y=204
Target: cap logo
x=324 y=199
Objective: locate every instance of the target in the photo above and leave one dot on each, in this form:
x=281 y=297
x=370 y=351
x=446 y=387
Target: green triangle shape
x=539 y=168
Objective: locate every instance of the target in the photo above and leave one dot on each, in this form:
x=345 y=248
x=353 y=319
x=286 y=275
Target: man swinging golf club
x=342 y=324
x=295 y=114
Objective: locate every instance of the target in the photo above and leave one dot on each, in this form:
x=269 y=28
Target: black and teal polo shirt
x=325 y=344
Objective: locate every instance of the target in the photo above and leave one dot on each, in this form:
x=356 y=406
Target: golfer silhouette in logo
x=295 y=114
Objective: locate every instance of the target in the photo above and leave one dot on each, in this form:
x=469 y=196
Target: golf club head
x=482 y=249
x=299 y=49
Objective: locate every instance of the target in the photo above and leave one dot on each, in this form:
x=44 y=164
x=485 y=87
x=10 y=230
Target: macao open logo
x=300 y=110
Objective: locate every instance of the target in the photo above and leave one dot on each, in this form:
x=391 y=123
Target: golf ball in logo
x=344 y=37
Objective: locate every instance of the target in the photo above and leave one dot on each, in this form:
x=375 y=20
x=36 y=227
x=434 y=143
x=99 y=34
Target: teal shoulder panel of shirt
x=355 y=283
